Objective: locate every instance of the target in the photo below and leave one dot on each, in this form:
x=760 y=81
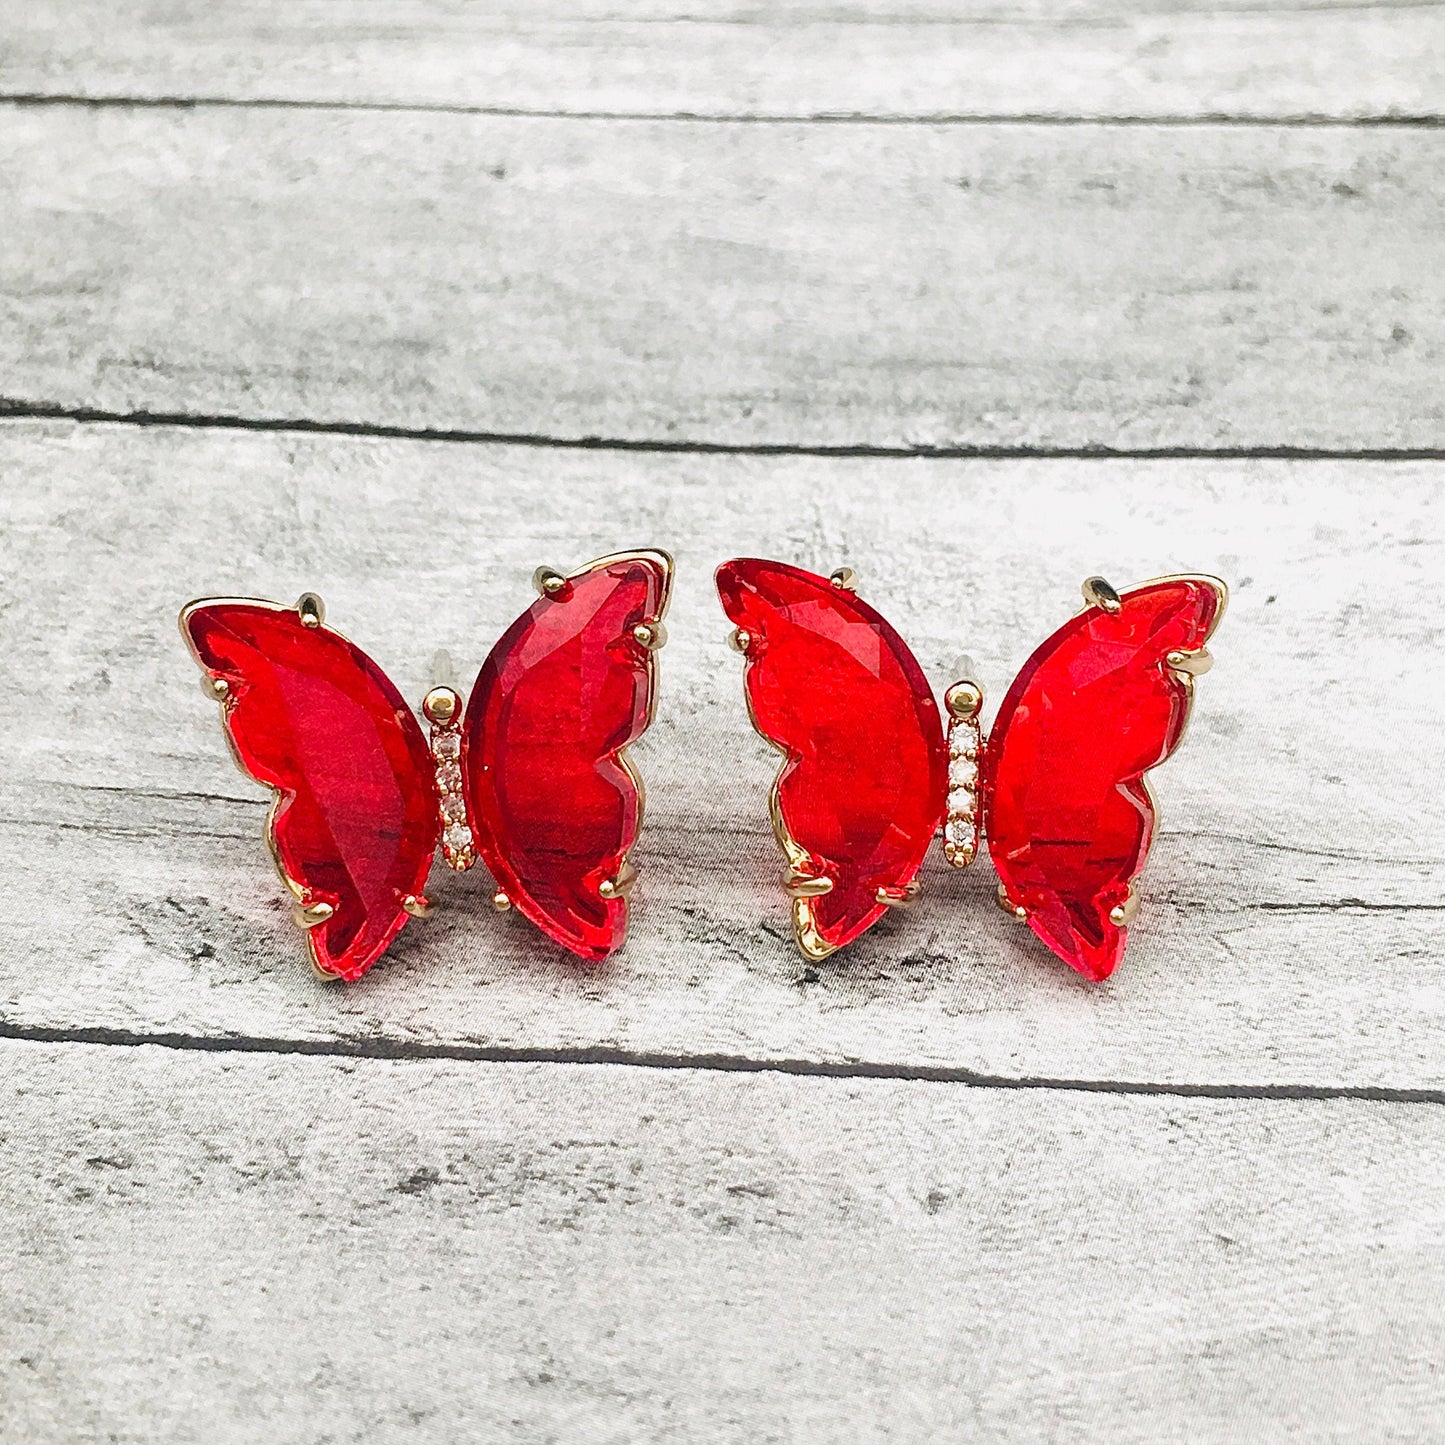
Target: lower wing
x=1067 y=810
x=834 y=687
x=552 y=799
x=355 y=819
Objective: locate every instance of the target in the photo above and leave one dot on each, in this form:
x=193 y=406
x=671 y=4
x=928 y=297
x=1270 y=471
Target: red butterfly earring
x=533 y=778
x=1057 y=788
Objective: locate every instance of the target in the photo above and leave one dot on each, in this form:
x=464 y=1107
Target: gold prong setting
x=621 y=886
x=310 y=915
x=1009 y=906
x=1189 y=665
x=1099 y=592
x=311 y=610
x=442 y=708
x=1123 y=914
x=811 y=943
x=964 y=701
x=901 y=897
x=549 y=582
x=798 y=883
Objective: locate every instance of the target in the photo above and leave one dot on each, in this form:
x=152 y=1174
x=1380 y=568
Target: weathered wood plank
x=1291 y=907
x=300 y=1249
x=795 y=58
x=883 y=285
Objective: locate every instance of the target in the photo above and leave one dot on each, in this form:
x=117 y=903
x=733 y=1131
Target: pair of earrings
x=532 y=777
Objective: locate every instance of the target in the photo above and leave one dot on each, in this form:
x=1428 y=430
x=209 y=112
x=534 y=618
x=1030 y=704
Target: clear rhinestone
x=449 y=776
x=962 y=738
x=448 y=745
x=960 y=803
x=457 y=838
x=962 y=771
x=959 y=832
x=454 y=807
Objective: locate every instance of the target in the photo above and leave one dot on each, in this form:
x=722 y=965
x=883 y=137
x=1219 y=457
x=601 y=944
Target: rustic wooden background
x=397 y=299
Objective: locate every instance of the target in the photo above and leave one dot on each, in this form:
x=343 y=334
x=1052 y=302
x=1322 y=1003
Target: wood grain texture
x=308 y=1250
x=785 y=58
x=1291 y=907
x=744 y=285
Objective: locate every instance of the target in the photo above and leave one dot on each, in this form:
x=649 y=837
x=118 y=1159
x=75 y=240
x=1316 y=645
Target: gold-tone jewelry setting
x=797 y=884
x=442 y=708
x=1098 y=593
x=1123 y=914
x=1008 y=905
x=310 y=915
x=901 y=898
x=549 y=582
x=962 y=825
x=620 y=886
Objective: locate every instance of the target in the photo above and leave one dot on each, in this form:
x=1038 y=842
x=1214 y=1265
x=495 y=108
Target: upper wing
x=860 y=797
x=551 y=798
x=1067 y=810
x=355 y=820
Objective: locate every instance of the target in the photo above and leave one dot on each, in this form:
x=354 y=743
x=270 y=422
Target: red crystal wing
x=355 y=820
x=1067 y=810
x=551 y=798
x=834 y=687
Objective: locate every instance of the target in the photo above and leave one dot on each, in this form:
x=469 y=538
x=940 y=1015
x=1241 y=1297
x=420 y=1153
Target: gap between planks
x=593 y=1057
x=1423 y=120
x=15 y=410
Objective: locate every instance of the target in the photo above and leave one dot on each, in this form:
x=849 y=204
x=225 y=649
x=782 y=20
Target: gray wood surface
x=303 y=1250
x=881 y=285
x=1291 y=906
x=935 y=1189
x=787 y=57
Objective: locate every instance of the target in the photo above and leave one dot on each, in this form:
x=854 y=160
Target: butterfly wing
x=355 y=820
x=834 y=687
x=1067 y=810
x=552 y=800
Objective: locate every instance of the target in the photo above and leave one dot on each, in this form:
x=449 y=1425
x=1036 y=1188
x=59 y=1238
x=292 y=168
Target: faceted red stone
x=314 y=717
x=835 y=687
x=1067 y=812
x=552 y=804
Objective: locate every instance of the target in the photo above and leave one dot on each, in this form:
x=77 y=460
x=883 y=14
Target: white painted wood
x=233 y=1248
x=788 y=57
x=877 y=284
x=210 y=1243
x=1292 y=905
